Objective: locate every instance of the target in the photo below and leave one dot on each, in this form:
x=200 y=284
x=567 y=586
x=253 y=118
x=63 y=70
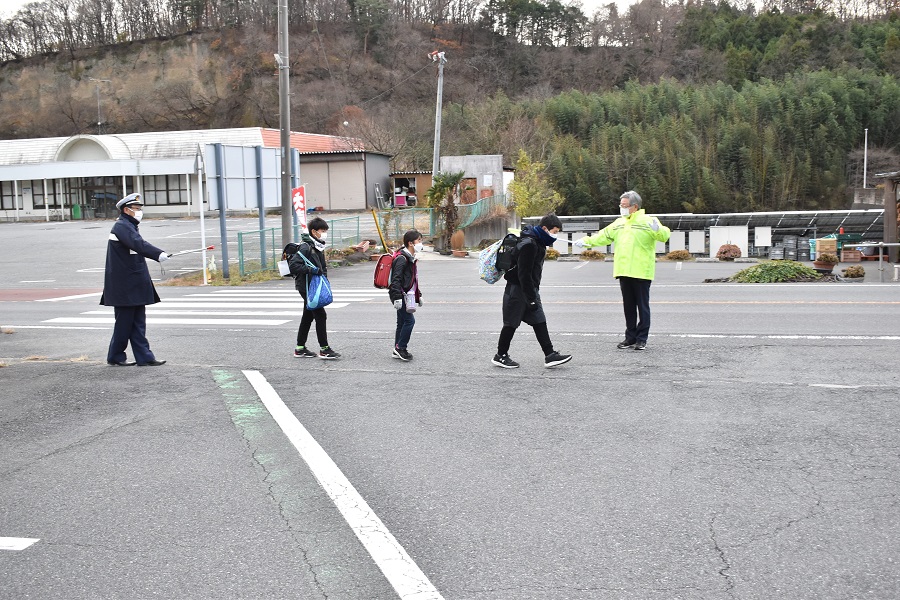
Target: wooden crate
x=851 y=256
x=826 y=245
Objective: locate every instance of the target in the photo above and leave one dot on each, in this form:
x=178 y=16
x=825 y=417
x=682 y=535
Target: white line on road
x=70 y=297
x=11 y=543
x=165 y=321
x=403 y=574
x=207 y=313
x=38 y=281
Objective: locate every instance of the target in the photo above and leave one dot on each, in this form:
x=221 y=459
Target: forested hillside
x=700 y=107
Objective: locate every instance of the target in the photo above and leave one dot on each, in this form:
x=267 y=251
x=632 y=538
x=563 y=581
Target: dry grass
x=7 y=330
x=82 y=358
x=216 y=279
x=35 y=357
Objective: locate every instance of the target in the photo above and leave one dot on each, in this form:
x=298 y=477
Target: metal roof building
x=83 y=175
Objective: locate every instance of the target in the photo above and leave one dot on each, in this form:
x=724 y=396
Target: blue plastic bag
x=318 y=292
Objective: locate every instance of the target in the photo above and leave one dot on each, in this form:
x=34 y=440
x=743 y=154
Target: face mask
x=323 y=236
x=419 y=247
x=624 y=210
x=138 y=215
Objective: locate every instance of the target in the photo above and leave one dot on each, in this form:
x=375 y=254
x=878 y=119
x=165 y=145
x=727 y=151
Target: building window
x=165 y=189
x=57 y=190
x=7 y=195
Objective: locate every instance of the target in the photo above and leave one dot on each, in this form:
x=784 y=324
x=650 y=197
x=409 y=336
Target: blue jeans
x=405 y=323
x=130 y=326
x=636 y=301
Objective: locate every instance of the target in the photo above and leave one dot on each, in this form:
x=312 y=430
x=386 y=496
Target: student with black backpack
x=522 y=298
x=312 y=247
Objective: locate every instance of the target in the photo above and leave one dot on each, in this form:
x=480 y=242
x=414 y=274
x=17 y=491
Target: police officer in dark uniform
x=127 y=286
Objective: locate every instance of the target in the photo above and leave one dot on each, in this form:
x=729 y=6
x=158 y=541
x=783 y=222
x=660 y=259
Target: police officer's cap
x=130 y=200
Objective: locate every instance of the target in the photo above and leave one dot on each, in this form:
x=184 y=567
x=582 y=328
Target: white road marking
x=227 y=313
x=71 y=297
x=404 y=575
x=835 y=386
x=582 y=265
x=38 y=281
x=92 y=270
x=11 y=543
x=164 y=321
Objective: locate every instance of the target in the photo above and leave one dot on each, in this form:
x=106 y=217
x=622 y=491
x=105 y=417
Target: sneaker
x=555 y=358
x=327 y=353
x=640 y=345
x=395 y=352
x=303 y=352
x=625 y=344
x=504 y=361
x=402 y=354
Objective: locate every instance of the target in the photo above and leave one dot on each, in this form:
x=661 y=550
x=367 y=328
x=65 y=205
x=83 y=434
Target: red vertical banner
x=298 y=198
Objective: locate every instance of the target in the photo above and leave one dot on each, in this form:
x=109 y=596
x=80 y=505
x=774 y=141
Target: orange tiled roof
x=312 y=142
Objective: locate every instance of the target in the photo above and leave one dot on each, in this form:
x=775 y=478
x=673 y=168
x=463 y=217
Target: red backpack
x=383 y=270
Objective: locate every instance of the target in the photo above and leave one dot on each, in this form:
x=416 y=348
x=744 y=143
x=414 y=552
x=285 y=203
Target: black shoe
x=625 y=344
x=304 y=352
x=402 y=354
x=327 y=353
x=120 y=364
x=504 y=361
x=640 y=345
x=152 y=363
x=555 y=358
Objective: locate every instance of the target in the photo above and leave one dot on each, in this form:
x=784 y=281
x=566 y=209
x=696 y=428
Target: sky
x=9 y=7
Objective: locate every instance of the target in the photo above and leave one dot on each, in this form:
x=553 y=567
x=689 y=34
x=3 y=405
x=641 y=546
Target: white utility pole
x=439 y=58
x=97 y=82
x=282 y=59
x=865 y=157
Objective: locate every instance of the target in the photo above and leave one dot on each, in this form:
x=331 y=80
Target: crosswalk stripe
x=225 y=313
x=165 y=321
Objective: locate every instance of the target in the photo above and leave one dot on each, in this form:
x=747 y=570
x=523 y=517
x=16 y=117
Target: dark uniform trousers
x=131 y=326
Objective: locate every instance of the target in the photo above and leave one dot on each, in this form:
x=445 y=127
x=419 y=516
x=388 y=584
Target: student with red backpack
x=404 y=292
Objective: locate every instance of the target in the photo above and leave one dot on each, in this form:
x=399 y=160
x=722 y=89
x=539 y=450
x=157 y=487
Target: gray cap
x=129 y=200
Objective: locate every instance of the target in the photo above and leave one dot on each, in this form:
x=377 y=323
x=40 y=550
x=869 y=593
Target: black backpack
x=289 y=251
x=506 y=254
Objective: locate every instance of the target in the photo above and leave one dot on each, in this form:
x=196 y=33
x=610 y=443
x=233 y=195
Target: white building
x=82 y=176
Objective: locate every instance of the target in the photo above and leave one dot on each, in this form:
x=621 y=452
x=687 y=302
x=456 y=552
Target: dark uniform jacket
x=127 y=279
x=300 y=270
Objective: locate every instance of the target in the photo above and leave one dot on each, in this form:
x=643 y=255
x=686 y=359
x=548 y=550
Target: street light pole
x=97 y=82
x=284 y=102
x=439 y=58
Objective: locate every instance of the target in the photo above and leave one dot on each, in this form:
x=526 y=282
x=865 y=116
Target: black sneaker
x=504 y=361
x=640 y=345
x=402 y=354
x=555 y=358
x=625 y=344
x=327 y=353
x=303 y=352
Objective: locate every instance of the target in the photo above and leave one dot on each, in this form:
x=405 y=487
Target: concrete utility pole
x=439 y=58
x=282 y=59
x=97 y=82
x=865 y=158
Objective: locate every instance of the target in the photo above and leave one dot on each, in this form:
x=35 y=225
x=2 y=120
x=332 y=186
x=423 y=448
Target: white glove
x=579 y=243
x=163 y=257
x=420 y=302
x=654 y=224
x=398 y=304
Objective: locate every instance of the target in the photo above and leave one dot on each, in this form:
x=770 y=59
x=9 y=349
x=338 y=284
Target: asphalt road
x=750 y=453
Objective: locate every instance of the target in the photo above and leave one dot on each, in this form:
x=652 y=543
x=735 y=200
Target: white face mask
x=419 y=247
x=323 y=236
x=624 y=210
x=138 y=215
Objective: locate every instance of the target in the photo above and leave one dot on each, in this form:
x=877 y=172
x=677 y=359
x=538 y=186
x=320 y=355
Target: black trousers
x=131 y=326
x=318 y=315
x=636 y=302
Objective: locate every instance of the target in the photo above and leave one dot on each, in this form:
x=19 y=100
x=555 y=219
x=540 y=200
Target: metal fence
x=261 y=250
x=492 y=206
x=395 y=222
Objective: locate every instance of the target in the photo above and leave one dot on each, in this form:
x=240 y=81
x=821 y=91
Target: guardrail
x=881 y=258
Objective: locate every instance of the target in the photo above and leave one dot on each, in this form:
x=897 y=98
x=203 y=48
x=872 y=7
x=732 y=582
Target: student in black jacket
x=313 y=248
x=522 y=298
x=404 y=292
